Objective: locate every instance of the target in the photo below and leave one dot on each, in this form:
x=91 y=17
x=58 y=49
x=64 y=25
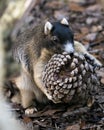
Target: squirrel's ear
x=47 y=27
x=64 y=21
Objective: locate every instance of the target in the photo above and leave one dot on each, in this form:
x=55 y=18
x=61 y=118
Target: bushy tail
x=7 y=118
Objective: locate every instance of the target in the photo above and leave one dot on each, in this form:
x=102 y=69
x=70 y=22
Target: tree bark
x=9 y=16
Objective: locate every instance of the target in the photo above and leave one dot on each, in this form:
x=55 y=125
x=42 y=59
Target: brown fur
x=33 y=50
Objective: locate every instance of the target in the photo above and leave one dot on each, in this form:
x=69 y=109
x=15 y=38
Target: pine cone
x=70 y=78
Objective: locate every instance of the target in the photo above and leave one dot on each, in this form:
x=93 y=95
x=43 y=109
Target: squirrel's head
x=59 y=35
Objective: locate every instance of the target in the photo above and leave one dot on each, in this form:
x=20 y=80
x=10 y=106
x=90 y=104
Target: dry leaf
x=50 y=112
x=101 y=74
x=82 y=124
x=75 y=7
x=91 y=37
x=95 y=7
x=54 y=4
x=61 y=14
x=90 y=101
x=79 y=36
x=84 y=30
x=27 y=119
x=73 y=127
x=102 y=80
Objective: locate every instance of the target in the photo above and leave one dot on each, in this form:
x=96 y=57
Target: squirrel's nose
x=68 y=47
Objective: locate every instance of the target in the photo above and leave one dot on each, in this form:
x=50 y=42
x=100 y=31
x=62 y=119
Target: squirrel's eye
x=55 y=38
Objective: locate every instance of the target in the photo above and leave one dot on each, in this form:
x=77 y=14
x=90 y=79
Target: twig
x=78 y=111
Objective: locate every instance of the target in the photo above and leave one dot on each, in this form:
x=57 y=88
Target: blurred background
x=86 y=18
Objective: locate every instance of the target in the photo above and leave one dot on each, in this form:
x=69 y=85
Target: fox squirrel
x=33 y=49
